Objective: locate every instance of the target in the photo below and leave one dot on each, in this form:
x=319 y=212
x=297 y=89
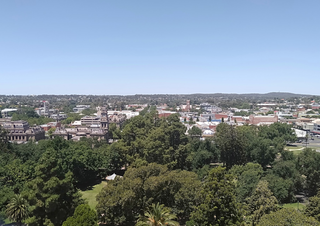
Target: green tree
x=286 y=217
x=308 y=166
x=83 y=216
x=31 y=113
x=4 y=144
x=202 y=153
x=261 y=202
x=124 y=199
x=51 y=131
x=191 y=122
x=217 y=201
x=88 y=111
x=114 y=131
x=283 y=189
x=313 y=207
x=195 y=132
x=151 y=139
x=247 y=177
x=278 y=133
x=260 y=150
x=231 y=143
x=158 y=215
x=52 y=194
x=291 y=180
x=18 y=209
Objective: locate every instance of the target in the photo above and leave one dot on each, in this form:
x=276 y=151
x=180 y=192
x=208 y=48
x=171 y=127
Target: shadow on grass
x=91 y=184
x=12 y=224
x=86 y=187
x=3 y=223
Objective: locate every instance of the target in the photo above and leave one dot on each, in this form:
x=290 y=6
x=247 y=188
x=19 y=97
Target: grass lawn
x=294 y=205
x=289 y=148
x=297 y=152
x=90 y=195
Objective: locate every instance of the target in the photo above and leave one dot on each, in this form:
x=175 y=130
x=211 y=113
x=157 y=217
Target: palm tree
x=18 y=209
x=158 y=216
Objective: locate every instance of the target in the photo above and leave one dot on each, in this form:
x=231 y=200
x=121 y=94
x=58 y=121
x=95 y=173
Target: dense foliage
x=83 y=216
x=164 y=165
x=287 y=217
x=48 y=175
x=124 y=199
x=29 y=115
x=217 y=204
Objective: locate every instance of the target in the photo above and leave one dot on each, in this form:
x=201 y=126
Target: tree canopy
x=83 y=216
x=217 y=201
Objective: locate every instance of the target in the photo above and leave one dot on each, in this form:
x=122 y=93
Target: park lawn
x=297 y=152
x=91 y=194
x=292 y=148
x=294 y=206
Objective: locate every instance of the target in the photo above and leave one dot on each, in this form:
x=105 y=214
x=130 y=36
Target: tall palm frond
x=158 y=215
x=18 y=209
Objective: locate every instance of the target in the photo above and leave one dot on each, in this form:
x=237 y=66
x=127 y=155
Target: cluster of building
x=264 y=114
x=20 y=131
x=92 y=126
x=50 y=113
x=208 y=126
x=204 y=116
x=95 y=126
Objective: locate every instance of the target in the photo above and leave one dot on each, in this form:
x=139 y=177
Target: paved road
x=311 y=143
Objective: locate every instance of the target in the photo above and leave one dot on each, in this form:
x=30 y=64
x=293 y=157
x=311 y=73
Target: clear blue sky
x=159 y=46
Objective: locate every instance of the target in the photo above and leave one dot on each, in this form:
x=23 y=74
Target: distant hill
x=271 y=95
x=280 y=95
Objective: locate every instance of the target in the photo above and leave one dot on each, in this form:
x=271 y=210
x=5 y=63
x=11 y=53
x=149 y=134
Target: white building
x=80 y=108
x=316 y=128
x=5 y=111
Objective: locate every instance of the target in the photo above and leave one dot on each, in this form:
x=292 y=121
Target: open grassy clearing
x=299 y=149
x=297 y=152
x=292 y=148
x=296 y=206
x=91 y=194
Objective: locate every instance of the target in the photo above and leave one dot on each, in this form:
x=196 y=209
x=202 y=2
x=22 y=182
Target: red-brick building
x=240 y=119
x=220 y=116
x=261 y=119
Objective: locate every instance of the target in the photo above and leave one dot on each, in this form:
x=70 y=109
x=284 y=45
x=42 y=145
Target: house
x=208 y=133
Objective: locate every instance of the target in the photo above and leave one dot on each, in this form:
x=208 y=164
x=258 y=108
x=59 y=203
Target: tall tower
x=44 y=106
x=104 y=121
x=188 y=105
